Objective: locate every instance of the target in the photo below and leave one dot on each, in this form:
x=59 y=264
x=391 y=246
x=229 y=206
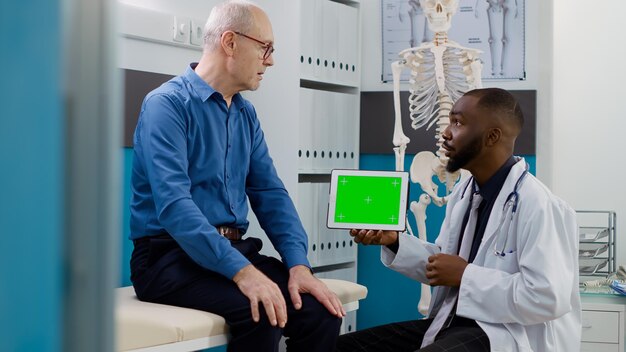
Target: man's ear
x=227 y=40
x=494 y=135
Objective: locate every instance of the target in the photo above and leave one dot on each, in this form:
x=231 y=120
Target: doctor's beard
x=465 y=155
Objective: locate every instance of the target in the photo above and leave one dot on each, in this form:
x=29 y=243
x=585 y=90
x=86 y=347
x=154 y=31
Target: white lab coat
x=527 y=300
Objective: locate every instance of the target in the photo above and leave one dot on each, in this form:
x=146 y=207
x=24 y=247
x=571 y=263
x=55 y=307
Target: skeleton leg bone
x=419 y=212
x=419 y=26
x=495 y=15
x=509 y=14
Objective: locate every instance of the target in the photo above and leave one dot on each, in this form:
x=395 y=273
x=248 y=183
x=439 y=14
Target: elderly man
x=199 y=156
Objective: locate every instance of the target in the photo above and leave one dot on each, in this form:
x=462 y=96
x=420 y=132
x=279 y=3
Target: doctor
x=504 y=266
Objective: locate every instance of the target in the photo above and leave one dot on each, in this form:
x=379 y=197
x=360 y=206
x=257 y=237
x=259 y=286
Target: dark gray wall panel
x=137 y=85
x=377 y=120
x=526 y=143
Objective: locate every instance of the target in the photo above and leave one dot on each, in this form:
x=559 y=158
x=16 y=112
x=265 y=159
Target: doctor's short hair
x=232 y=15
x=499 y=101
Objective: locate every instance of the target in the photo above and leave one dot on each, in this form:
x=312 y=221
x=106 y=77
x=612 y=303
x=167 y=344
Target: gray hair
x=233 y=15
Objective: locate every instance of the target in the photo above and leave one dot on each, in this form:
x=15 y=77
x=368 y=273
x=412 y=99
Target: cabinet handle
x=586 y=324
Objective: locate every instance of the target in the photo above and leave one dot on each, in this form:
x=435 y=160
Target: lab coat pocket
x=498 y=255
x=504 y=246
x=502 y=258
x=508 y=262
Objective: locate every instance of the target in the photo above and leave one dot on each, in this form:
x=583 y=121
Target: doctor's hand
x=379 y=237
x=445 y=270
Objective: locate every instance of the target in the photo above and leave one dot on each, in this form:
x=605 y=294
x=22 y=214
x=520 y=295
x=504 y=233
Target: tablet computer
x=361 y=199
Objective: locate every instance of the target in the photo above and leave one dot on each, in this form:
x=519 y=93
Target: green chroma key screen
x=368 y=199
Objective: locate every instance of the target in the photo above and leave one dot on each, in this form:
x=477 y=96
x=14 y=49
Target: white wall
x=150 y=56
x=588 y=141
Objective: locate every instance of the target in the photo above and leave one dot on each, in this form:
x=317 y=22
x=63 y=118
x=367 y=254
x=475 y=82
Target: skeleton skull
x=439 y=13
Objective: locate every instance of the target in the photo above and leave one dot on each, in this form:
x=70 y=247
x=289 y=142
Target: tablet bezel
x=404 y=198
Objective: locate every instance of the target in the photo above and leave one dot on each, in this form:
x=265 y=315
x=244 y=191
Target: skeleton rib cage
x=425 y=95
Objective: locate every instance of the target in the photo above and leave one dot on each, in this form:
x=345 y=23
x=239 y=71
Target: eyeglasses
x=269 y=48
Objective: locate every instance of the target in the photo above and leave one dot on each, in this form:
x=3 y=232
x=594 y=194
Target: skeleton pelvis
x=425 y=165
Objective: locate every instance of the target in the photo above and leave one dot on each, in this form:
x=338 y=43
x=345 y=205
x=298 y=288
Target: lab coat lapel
x=496 y=212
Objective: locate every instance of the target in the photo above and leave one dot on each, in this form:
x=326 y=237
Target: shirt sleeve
x=161 y=135
x=411 y=258
x=271 y=203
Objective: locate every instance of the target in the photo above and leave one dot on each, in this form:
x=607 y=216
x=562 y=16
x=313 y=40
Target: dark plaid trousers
x=463 y=335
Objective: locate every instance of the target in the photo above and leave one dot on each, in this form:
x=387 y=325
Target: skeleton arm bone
x=399 y=153
x=400 y=140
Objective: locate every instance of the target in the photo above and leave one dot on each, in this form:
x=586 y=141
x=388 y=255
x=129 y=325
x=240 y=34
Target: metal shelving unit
x=596 y=255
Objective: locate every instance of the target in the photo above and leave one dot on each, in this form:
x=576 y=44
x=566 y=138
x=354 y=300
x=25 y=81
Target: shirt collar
x=492 y=187
x=204 y=90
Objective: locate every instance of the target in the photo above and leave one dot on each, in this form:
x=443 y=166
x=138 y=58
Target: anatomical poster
x=496 y=27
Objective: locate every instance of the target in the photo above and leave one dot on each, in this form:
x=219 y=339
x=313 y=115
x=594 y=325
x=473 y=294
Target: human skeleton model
x=441 y=71
x=500 y=14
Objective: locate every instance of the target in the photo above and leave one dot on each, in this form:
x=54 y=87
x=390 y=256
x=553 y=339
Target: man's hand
x=374 y=237
x=301 y=280
x=259 y=288
x=445 y=270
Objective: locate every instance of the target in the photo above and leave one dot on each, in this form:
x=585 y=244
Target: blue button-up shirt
x=196 y=162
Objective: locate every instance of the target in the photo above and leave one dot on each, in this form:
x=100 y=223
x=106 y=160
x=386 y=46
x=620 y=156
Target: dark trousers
x=162 y=272
x=461 y=336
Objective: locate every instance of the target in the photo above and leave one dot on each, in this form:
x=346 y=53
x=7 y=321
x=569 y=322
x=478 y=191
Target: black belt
x=230 y=233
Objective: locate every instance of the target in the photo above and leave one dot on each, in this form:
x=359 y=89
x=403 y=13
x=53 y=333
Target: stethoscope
x=510 y=207
x=508 y=212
